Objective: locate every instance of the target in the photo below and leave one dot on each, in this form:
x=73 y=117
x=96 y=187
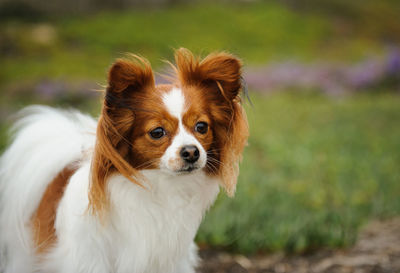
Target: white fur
x=174 y=101
x=146 y=231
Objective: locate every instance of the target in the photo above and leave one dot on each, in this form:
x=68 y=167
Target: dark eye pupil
x=157 y=133
x=201 y=127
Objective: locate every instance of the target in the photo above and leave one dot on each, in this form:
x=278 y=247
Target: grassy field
x=316 y=168
x=83 y=47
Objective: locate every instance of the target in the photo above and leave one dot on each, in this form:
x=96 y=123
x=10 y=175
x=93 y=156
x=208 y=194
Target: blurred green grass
x=316 y=168
x=84 y=46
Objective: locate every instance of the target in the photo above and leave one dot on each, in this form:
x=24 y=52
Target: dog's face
x=196 y=123
x=175 y=135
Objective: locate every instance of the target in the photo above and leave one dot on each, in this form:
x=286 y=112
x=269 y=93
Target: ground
x=376 y=251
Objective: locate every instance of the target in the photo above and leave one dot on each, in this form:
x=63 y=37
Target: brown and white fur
x=125 y=193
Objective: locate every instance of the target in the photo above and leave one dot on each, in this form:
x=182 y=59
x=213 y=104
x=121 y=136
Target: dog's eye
x=201 y=127
x=157 y=133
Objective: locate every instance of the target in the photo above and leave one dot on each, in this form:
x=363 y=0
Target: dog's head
x=194 y=124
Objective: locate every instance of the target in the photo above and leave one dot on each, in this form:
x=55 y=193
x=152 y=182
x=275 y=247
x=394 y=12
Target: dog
x=125 y=193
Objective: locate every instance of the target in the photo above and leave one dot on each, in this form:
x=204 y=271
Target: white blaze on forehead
x=174 y=100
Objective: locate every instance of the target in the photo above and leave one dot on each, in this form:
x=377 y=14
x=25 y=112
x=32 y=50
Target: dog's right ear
x=125 y=79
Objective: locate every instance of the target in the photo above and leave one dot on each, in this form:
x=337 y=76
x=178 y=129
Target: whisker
x=214 y=150
x=213 y=168
x=214 y=160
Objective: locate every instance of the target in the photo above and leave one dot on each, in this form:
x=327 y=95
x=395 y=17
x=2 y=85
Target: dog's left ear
x=126 y=78
x=222 y=70
x=219 y=76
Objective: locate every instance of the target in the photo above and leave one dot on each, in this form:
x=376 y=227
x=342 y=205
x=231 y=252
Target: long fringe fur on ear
x=232 y=151
x=187 y=67
x=113 y=126
x=220 y=67
x=106 y=159
x=130 y=70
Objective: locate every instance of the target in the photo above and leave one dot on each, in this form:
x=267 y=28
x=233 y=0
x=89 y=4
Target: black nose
x=190 y=153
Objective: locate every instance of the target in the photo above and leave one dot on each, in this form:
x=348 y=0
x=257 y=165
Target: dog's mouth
x=188 y=169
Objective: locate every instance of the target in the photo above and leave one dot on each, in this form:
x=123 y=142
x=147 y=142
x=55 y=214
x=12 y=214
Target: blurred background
x=320 y=177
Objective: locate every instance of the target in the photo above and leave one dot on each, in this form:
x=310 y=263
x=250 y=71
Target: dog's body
x=129 y=197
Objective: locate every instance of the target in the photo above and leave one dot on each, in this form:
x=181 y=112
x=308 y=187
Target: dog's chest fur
x=146 y=230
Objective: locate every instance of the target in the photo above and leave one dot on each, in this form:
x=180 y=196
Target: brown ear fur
x=236 y=140
x=221 y=68
x=115 y=123
x=220 y=72
x=133 y=72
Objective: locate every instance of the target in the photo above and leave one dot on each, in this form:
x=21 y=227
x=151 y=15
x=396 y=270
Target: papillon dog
x=125 y=193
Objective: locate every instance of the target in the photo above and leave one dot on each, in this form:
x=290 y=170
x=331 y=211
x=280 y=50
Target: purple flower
x=393 y=63
x=50 y=89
